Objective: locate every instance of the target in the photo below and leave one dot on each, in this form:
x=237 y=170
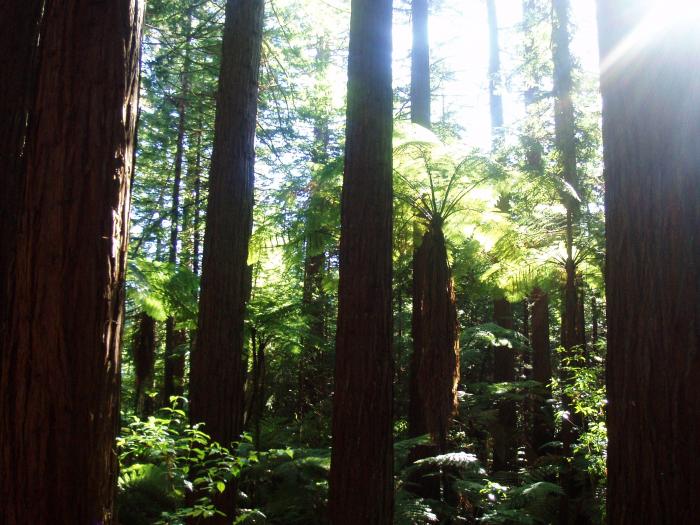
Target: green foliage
x=169 y=470
x=163 y=290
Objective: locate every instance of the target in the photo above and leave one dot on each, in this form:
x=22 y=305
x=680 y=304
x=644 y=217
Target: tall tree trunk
x=651 y=125
x=144 y=360
x=19 y=36
x=495 y=99
x=504 y=448
x=59 y=389
x=361 y=479
x=196 y=203
x=216 y=380
x=173 y=380
x=420 y=64
x=543 y=417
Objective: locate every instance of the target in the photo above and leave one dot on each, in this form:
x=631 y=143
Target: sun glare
x=663 y=17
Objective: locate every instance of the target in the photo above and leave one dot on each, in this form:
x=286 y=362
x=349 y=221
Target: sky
x=459 y=37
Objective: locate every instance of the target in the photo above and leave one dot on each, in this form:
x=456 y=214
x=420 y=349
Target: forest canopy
x=350 y=261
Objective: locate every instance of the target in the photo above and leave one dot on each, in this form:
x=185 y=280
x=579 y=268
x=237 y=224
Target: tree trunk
x=144 y=360
x=173 y=377
x=420 y=64
x=651 y=125
x=361 y=479
x=19 y=34
x=495 y=99
x=216 y=381
x=504 y=448
x=436 y=341
x=543 y=417
x=59 y=389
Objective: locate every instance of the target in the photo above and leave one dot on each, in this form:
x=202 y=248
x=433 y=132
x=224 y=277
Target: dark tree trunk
x=196 y=203
x=504 y=448
x=495 y=99
x=59 y=390
x=19 y=35
x=144 y=359
x=420 y=64
x=543 y=417
x=216 y=383
x=436 y=331
x=594 y=321
x=361 y=480
x=651 y=125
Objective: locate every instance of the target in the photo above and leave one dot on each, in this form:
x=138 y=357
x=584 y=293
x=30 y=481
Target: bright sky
x=459 y=37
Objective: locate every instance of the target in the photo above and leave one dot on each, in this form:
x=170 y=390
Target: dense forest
x=350 y=261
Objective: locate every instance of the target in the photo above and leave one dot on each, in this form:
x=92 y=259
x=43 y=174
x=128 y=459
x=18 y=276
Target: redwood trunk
x=144 y=359
x=59 y=389
x=543 y=417
x=19 y=33
x=504 y=448
x=361 y=480
x=651 y=125
x=216 y=381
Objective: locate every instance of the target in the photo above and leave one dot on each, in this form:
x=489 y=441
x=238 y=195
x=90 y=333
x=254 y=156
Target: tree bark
x=59 y=389
x=504 y=448
x=651 y=125
x=436 y=341
x=216 y=380
x=420 y=64
x=543 y=418
x=361 y=480
x=144 y=360
x=19 y=35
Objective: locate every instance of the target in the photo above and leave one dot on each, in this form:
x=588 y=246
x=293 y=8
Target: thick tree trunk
x=216 y=381
x=543 y=417
x=144 y=360
x=420 y=64
x=504 y=448
x=19 y=35
x=436 y=341
x=59 y=389
x=361 y=480
x=651 y=125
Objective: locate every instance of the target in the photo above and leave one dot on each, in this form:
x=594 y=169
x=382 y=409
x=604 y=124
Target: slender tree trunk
x=504 y=448
x=543 y=417
x=216 y=380
x=59 y=390
x=361 y=479
x=420 y=64
x=173 y=376
x=495 y=99
x=19 y=35
x=144 y=360
x=651 y=125
x=196 y=203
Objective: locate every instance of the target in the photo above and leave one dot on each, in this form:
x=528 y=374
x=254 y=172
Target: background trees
x=490 y=255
